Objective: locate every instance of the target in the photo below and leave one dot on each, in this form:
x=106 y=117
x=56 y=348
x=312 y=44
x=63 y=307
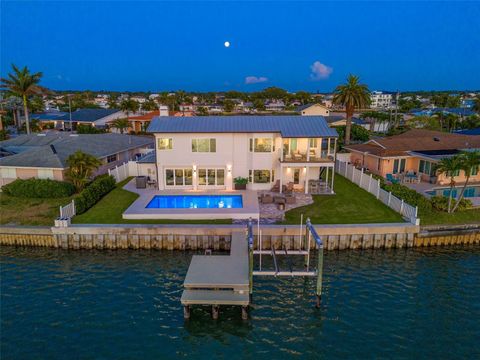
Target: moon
x=227 y=44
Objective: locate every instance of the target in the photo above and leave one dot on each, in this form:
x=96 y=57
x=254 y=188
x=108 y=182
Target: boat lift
x=311 y=233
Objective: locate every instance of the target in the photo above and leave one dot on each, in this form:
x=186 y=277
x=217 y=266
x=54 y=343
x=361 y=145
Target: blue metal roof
x=475 y=131
x=88 y=115
x=288 y=126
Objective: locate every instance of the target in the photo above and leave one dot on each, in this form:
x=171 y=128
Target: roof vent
x=53 y=149
x=436 y=139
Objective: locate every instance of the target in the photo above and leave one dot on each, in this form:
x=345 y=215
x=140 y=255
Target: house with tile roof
x=208 y=153
x=44 y=156
x=417 y=151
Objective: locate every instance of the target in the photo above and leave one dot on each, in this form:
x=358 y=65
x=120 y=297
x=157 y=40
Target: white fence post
x=369 y=182
x=361 y=178
x=61 y=212
x=401 y=208
x=73 y=207
x=378 y=188
x=389 y=197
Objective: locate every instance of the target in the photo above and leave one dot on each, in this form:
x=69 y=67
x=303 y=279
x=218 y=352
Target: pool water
x=386 y=304
x=196 y=202
x=470 y=191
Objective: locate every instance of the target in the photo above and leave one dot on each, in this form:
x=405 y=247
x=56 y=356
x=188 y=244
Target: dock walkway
x=219 y=279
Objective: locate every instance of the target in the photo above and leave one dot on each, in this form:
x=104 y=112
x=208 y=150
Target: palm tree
x=121 y=124
x=449 y=166
x=469 y=161
x=352 y=95
x=129 y=105
x=22 y=83
x=81 y=166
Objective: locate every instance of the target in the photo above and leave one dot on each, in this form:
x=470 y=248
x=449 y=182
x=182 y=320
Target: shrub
x=441 y=203
x=410 y=196
x=97 y=189
x=240 y=180
x=38 y=188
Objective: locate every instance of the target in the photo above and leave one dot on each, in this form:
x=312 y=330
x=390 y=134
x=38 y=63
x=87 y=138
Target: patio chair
x=266 y=199
x=279 y=200
x=289 y=188
x=392 y=179
x=276 y=186
x=290 y=199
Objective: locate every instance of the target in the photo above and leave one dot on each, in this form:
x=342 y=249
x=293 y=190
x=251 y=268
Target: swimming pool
x=196 y=202
x=470 y=191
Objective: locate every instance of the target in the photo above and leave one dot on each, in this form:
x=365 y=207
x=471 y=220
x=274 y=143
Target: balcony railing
x=302 y=157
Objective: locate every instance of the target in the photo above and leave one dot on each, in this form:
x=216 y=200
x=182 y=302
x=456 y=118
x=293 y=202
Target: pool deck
x=139 y=210
x=423 y=187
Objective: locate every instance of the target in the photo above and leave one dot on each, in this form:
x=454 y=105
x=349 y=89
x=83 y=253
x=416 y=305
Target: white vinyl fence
x=372 y=185
x=123 y=171
x=68 y=211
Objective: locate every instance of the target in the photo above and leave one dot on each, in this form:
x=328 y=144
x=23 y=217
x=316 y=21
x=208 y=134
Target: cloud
x=320 y=71
x=255 y=80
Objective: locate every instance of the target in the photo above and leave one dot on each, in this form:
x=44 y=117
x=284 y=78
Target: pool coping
x=138 y=210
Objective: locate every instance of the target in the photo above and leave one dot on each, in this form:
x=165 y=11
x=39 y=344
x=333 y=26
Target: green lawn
x=110 y=208
x=349 y=205
x=457 y=218
x=27 y=211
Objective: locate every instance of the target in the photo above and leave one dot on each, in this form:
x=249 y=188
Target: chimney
x=163 y=109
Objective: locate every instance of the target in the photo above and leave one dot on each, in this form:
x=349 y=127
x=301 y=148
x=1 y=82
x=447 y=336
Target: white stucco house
x=208 y=153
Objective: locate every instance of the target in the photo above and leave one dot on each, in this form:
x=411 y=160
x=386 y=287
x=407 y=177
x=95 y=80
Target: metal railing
x=250 y=253
x=68 y=211
x=311 y=232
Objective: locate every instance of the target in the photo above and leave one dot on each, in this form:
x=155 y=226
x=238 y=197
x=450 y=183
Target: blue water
x=196 y=202
x=395 y=304
x=472 y=191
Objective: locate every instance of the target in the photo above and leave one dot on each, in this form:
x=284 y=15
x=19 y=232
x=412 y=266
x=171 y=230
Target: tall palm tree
x=352 y=95
x=81 y=167
x=23 y=84
x=121 y=124
x=469 y=161
x=449 y=166
x=129 y=105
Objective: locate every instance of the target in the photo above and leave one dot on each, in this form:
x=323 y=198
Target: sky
x=313 y=46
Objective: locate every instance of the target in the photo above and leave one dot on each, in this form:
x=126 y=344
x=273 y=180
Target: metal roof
x=88 y=115
x=288 y=126
x=52 y=150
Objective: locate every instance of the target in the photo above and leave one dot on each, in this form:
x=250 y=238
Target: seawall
x=217 y=237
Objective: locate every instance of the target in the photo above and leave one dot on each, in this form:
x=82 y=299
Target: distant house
x=416 y=151
x=313 y=109
x=141 y=122
x=93 y=117
x=44 y=156
x=274 y=105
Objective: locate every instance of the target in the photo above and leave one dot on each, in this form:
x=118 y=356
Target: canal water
x=392 y=304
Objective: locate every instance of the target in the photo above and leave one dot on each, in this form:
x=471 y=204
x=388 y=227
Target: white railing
x=372 y=185
x=68 y=211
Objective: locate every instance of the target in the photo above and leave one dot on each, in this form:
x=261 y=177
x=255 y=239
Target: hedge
x=39 y=188
x=97 y=189
x=410 y=196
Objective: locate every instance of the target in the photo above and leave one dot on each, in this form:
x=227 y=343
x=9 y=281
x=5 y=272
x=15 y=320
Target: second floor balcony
x=295 y=150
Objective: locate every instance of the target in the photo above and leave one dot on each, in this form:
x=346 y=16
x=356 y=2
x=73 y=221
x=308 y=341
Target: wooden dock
x=218 y=279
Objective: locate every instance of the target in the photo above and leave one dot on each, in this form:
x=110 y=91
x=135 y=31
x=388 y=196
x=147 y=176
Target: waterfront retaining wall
x=217 y=237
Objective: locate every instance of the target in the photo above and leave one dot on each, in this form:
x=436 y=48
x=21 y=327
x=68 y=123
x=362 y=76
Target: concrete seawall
x=217 y=237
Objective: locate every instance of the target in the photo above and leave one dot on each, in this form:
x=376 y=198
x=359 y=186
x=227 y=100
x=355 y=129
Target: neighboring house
x=141 y=122
x=93 y=117
x=313 y=109
x=209 y=152
x=380 y=100
x=416 y=151
x=274 y=105
x=44 y=156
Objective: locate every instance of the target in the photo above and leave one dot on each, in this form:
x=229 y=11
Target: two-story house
x=205 y=153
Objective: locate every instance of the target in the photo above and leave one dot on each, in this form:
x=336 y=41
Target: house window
x=45 y=173
x=426 y=167
x=474 y=170
x=259 y=176
x=261 y=145
x=211 y=177
x=178 y=177
x=398 y=166
x=111 y=158
x=204 y=145
x=313 y=142
x=8 y=173
x=165 y=144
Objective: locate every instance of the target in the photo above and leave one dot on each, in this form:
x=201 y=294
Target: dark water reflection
x=399 y=304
